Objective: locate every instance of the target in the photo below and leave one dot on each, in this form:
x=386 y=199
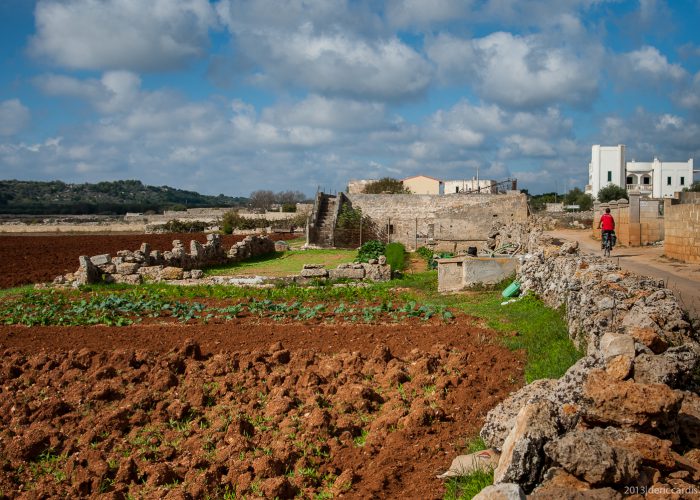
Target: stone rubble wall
x=374 y=270
x=624 y=419
x=133 y=266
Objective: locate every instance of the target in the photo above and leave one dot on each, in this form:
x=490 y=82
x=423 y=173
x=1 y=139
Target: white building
x=471 y=185
x=654 y=179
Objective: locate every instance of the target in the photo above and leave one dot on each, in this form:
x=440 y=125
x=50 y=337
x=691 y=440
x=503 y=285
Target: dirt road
x=683 y=279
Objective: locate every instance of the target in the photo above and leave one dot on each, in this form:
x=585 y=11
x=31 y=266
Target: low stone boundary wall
x=374 y=270
x=624 y=419
x=133 y=266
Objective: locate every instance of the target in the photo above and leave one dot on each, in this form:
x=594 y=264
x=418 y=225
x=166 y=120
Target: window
x=609 y=176
x=646 y=181
x=630 y=180
x=682 y=181
x=457 y=189
x=668 y=181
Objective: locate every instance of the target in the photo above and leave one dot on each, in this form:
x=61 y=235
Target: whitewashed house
x=655 y=179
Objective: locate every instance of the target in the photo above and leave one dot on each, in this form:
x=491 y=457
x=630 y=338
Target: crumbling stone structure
x=374 y=270
x=133 y=266
x=625 y=419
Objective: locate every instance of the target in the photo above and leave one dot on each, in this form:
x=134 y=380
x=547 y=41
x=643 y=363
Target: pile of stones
x=374 y=270
x=133 y=267
x=625 y=419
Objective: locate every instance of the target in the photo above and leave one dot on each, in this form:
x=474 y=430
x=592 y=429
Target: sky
x=231 y=96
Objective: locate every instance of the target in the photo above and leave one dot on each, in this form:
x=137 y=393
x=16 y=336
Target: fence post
x=360 y=230
x=415 y=237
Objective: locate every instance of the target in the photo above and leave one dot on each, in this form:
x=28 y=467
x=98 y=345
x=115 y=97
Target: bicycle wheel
x=606 y=252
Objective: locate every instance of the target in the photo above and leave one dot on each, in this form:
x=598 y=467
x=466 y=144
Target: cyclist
x=607 y=224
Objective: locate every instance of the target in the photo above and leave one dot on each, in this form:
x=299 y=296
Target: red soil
x=251 y=405
x=38 y=259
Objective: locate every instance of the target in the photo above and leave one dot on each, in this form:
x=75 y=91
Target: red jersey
x=607 y=223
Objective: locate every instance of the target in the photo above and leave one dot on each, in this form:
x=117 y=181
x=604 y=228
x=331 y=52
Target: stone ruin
x=144 y=264
x=374 y=270
x=133 y=267
x=624 y=419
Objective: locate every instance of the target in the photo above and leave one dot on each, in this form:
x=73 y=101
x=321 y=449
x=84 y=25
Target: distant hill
x=118 y=197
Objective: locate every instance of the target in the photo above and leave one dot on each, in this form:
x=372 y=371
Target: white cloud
x=121 y=34
x=520 y=71
x=114 y=92
x=648 y=63
x=690 y=97
x=407 y=13
x=14 y=117
x=339 y=63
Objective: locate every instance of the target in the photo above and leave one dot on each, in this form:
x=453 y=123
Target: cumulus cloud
x=121 y=34
x=407 y=13
x=114 y=92
x=690 y=96
x=339 y=63
x=647 y=64
x=14 y=117
x=513 y=70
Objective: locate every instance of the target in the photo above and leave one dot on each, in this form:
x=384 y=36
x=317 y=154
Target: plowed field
x=249 y=407
x=37 y=259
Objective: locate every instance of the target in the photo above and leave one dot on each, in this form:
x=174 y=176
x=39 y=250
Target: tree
x=578 y=197
x=386 y=185
x=694 y=187
x=612 y=192
x=262 y=199
x=289 y=197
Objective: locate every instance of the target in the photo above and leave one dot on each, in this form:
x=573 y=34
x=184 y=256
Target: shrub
x=371 y=249
x=395 y=256
x=386 y=185
x=425 y=252
x=611 y=192
x=179 y=226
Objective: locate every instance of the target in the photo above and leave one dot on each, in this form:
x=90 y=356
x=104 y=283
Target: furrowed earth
x=247 y=407
x=37 y=259
x=231 y=397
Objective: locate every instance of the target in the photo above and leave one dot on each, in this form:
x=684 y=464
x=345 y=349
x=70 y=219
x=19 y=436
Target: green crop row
x=39 y=307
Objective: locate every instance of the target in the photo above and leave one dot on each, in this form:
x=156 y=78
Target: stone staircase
x=326 y=221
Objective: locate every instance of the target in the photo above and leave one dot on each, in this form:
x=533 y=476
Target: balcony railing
x=640 y=187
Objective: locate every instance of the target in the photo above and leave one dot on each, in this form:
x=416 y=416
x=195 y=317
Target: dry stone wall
x=683 y=231
x=623 y=420
x=453 y=222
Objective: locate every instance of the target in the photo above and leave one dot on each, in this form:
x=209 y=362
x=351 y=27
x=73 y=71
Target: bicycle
x=607 y=244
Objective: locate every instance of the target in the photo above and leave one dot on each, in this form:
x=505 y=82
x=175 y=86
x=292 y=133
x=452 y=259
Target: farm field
x=273 y=393
x=37 y=259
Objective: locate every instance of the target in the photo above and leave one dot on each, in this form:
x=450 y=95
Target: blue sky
x=230 y=96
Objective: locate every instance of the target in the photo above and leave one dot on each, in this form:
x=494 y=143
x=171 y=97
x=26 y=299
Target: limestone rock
x=689 y=420
x=196 y=274
x=613 y=344
x=381 y=260
x=502 y=491
x=522 y=460
x=346 y=273
x=101 y=259
x=127 y=279
x=314 y=273
x=150 y=272
x=651 y=408
x=128 y=268
x=654 y=451
x=87 y=273
x=171 y=273
x=465 y=464
x=587 y=455
x=500 y=420
x=649 y=338
x=619 y=367
x=675 y=367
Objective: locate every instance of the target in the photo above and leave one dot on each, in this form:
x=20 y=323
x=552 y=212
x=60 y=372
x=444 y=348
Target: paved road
x=683 y=279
